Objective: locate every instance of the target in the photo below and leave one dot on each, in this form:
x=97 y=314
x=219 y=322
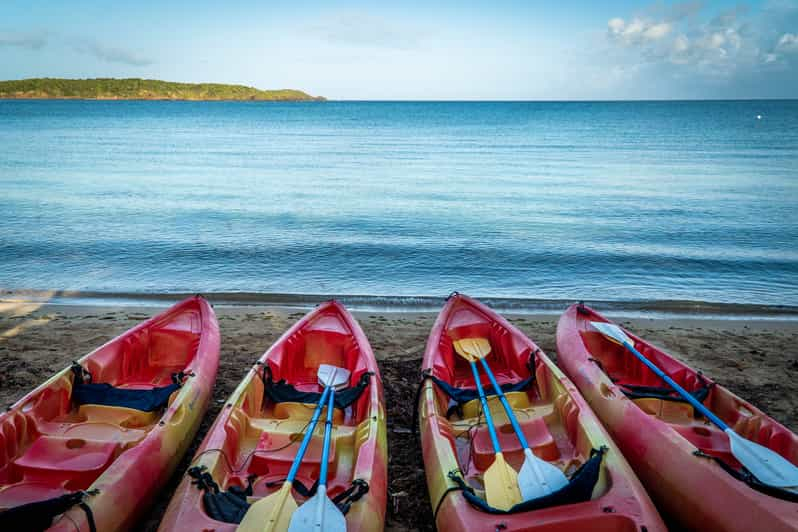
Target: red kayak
x=90 y=448
x=684 y=461
x=252 y=444
x=602 y=493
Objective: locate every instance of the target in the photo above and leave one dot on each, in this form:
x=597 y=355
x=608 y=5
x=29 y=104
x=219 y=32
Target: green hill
x=140 y=89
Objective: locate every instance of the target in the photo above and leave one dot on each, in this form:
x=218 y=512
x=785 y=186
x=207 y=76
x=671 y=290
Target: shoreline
x=654 y=309
x=755 y=359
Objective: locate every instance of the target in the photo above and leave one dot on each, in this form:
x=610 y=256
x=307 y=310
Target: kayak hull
x=124 y=454
x=660 y=438
x=555 y=419
x=257 y=438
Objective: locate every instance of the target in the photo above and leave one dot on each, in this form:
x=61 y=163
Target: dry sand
x=756 y=359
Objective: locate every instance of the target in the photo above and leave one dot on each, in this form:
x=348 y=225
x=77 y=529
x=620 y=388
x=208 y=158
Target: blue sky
x=418 y=50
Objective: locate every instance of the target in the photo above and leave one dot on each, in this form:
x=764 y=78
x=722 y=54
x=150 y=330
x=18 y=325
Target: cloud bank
x=31 y=41
x=111 y=54
x=354 y=28
x=38 y=41
x=733 y=47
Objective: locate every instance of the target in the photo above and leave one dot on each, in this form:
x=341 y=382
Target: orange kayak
x=250 y=447
x=90 y=448
x=684 y=461
x=603 y=492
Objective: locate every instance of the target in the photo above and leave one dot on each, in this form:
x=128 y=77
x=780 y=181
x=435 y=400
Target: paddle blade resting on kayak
x=270 y=514
x=319 y=512
x=536 y=477
x=684 y=460
x=601 y=492
x=766 y=465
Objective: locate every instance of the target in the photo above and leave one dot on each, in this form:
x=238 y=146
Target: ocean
x=530 y=201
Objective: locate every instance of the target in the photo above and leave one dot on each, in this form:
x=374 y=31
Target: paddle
x=273 y=513
x=501 y=480
x=319 y=512
x=766 y=465
x=537 y=477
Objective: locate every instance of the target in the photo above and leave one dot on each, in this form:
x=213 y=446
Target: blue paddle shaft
x=486 y=409
x=506 y=405
x=308 y=435
x=325 y=453
x=681 y=391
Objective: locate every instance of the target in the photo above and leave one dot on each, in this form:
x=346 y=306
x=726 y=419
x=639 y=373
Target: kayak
x=602 y=491
x=91 y=447
x=249 y=450
x=684 y=461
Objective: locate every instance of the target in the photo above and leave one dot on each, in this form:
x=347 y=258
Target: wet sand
x=756 y=359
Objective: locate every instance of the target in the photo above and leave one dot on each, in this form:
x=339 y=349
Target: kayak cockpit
x=266 y=418
x=55 y=440
x=546 y=413
x=653 y=396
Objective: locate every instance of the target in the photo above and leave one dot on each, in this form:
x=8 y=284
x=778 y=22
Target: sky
x=379 y=50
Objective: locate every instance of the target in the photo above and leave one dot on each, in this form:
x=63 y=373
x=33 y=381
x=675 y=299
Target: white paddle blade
x=765 y=464
x=319 y=514
x=334 y=376
x=538 y=478
x=611 y=331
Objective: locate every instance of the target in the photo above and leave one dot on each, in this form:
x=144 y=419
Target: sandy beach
x=756 y=359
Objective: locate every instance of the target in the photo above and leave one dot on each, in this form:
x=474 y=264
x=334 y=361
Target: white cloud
x=717 y=47
x=788 y=43
x=637 y=30
x=657 y=31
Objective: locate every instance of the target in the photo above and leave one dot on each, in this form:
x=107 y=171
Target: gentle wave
x=614 y=201
x=411 y=304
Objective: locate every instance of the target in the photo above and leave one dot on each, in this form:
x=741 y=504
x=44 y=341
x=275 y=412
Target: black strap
x=228 y=506
x=84 y=391
x=579 y=489
x=352 y=494
x=38 y=516
x=460 y=396
x=297 y=485
x=638 y=391
x=281 y=392
x=82 y=375
x=89 y=516
x=743 y=475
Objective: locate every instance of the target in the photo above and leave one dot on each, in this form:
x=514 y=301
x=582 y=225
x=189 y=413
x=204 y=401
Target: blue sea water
x=611 y=201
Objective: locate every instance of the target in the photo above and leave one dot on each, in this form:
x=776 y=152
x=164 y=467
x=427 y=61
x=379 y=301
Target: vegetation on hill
x=141 y=89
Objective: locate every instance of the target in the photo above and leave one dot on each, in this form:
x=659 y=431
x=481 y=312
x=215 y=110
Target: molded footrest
x=56 y=460
x=275 y=453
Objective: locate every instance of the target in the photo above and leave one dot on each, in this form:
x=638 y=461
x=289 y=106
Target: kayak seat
x=71 y=462
x=125 y=426
x=536 y=432
x=147 y=399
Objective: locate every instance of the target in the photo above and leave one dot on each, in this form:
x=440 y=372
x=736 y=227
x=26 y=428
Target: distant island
x=141 y=89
